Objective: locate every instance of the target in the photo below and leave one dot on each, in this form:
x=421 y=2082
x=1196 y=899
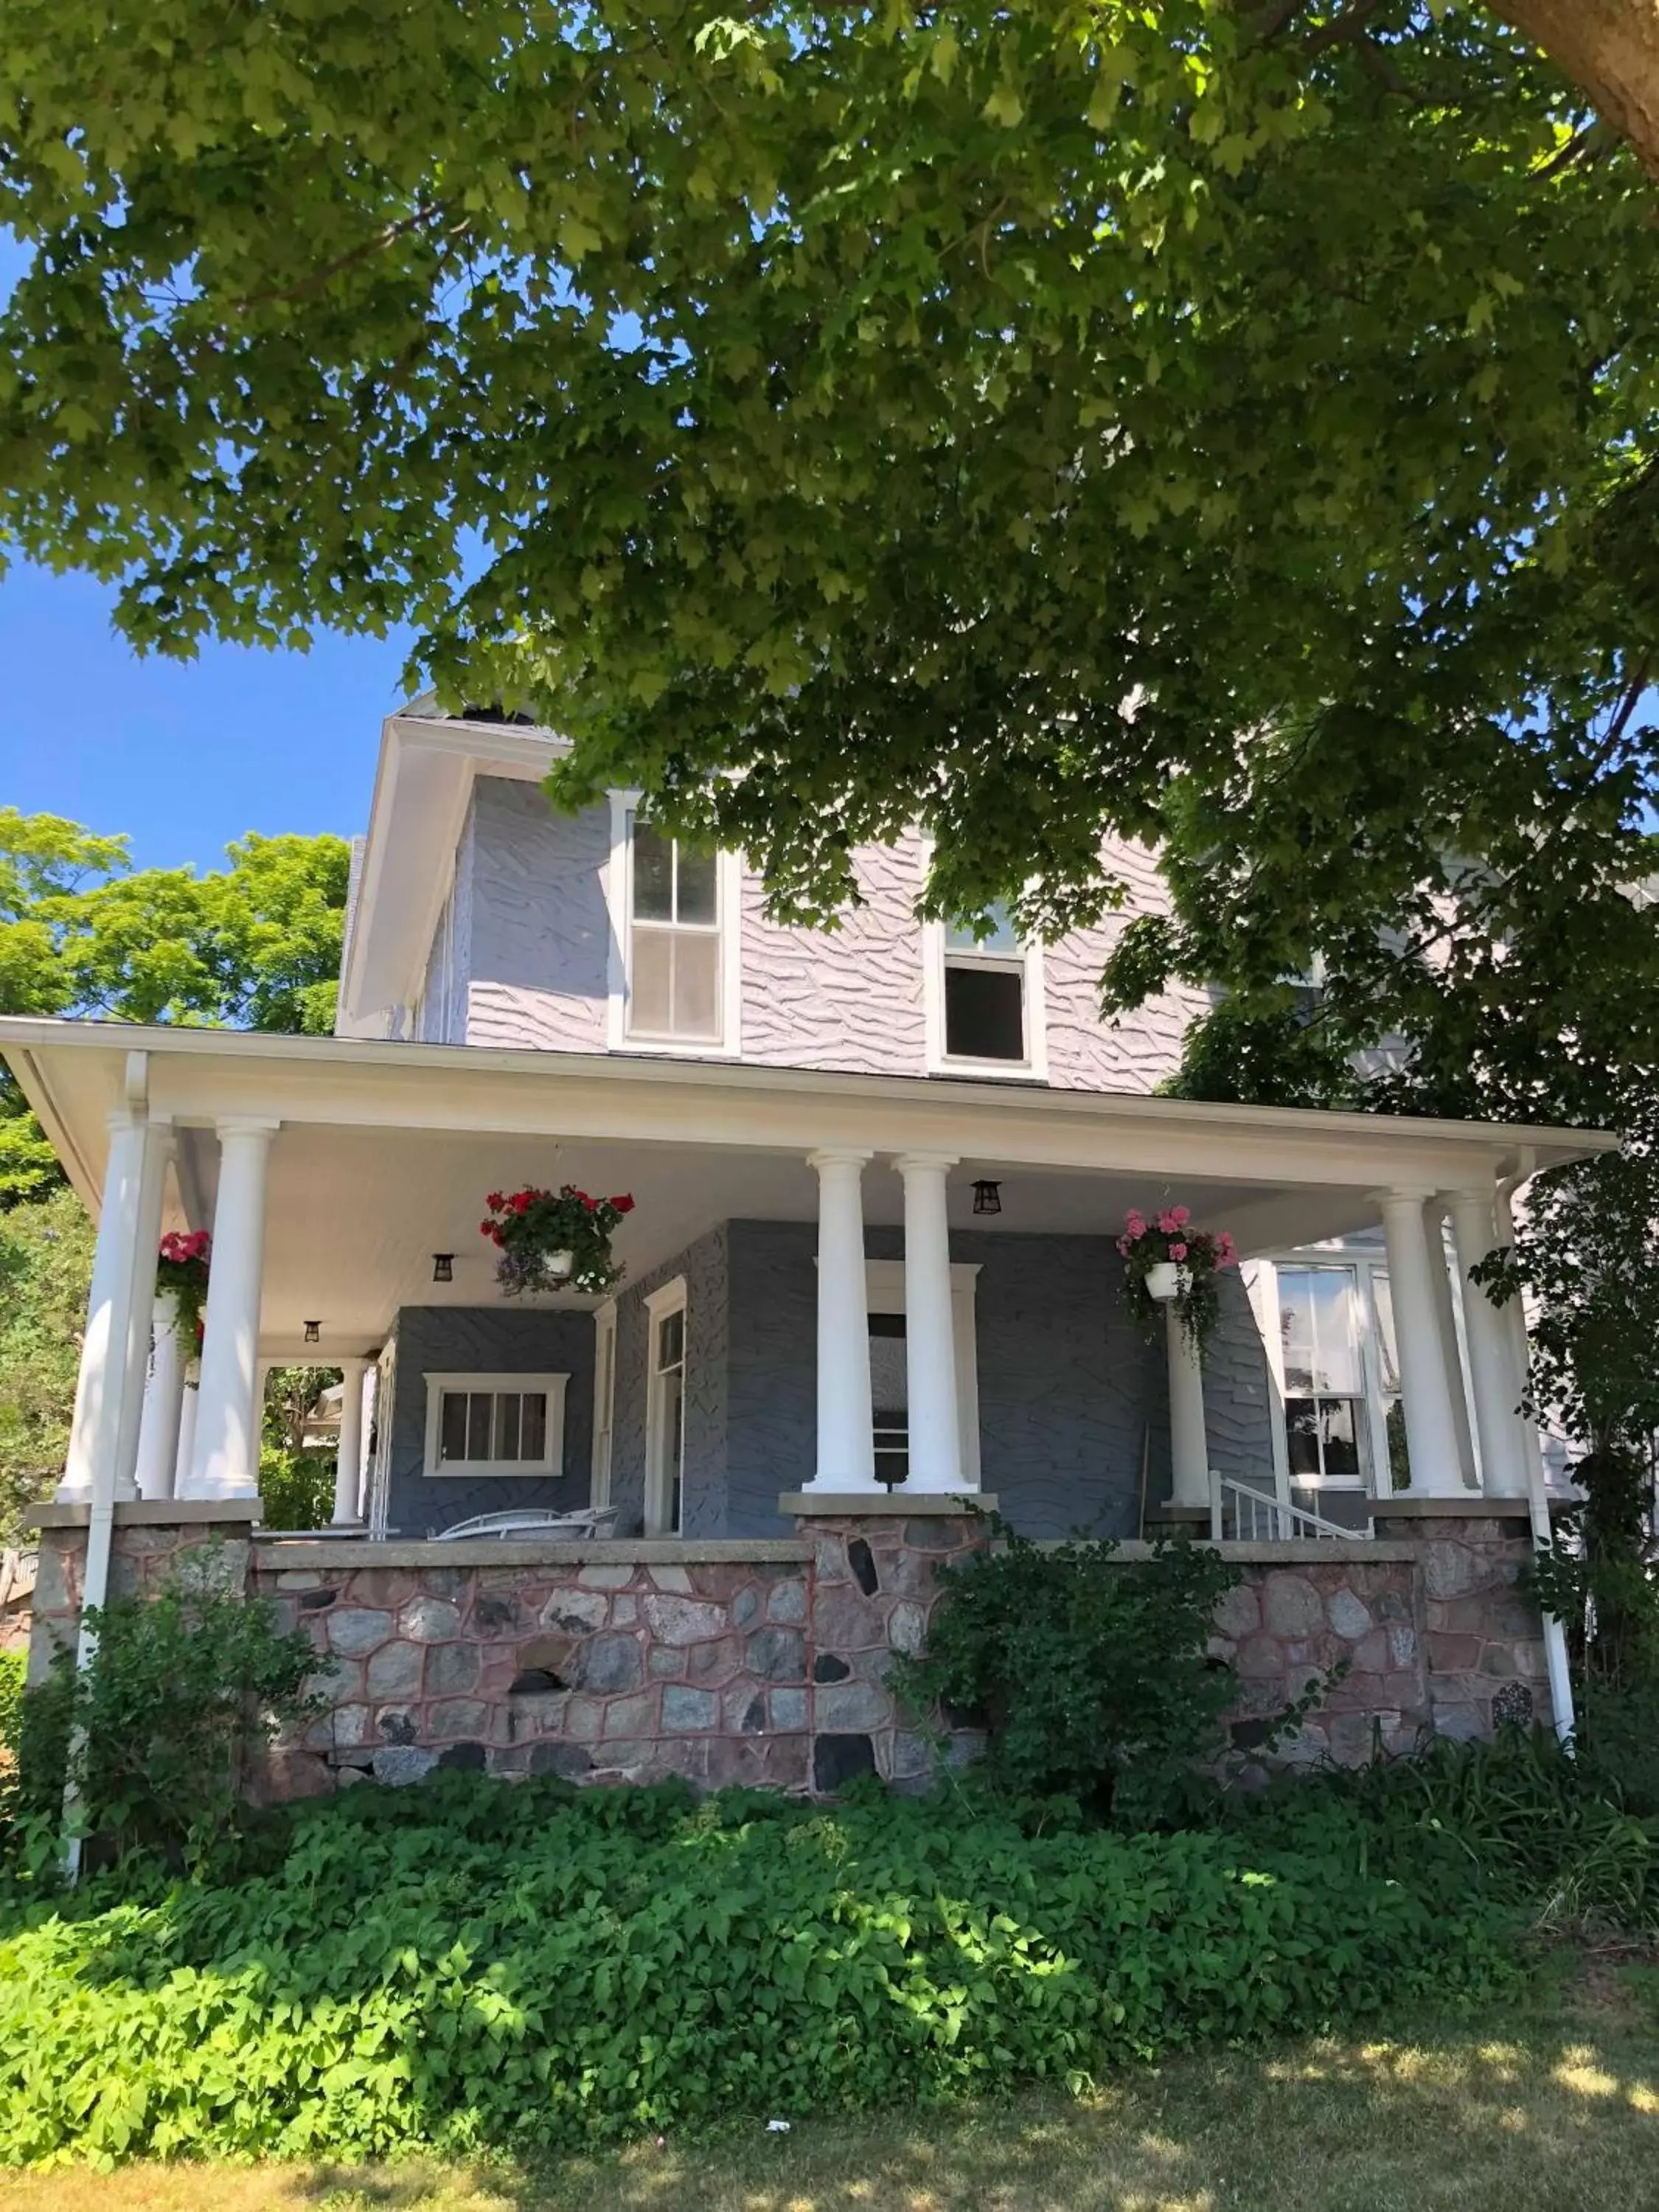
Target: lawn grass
x=1552 y=2107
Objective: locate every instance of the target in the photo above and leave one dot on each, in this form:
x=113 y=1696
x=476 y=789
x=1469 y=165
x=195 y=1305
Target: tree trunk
x=1610 y=51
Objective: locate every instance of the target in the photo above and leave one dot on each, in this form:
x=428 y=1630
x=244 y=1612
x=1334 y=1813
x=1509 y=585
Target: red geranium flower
x=624 y=1204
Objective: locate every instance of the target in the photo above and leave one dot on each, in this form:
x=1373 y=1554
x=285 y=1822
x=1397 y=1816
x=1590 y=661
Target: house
x=879 y=1174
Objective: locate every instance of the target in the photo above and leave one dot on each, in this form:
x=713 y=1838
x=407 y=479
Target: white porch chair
x=588 y=1521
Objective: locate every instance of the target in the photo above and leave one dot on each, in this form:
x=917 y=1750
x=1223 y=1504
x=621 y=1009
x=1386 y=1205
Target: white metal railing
x=1241 y=1514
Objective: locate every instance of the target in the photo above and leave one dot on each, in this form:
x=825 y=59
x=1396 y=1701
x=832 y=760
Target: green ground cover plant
x=480 y=1964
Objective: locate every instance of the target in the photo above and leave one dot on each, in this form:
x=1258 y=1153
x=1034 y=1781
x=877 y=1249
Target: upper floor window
x=985 y=997
x=675 y=920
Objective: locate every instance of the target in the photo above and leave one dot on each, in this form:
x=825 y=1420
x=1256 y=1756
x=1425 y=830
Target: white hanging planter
x=1165 y=1281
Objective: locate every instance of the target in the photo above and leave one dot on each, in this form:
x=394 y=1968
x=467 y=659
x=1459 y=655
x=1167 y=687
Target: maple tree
x=1225 y=424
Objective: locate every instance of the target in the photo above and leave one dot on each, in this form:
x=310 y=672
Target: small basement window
x=495 y=1424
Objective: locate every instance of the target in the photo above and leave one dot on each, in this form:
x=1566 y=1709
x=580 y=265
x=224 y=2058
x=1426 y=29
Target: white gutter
x=1555 y=1635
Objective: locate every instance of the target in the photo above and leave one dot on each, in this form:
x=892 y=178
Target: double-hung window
x=985 y=997
x=495 y=1424
x=674 y=983
x=1338 y=1374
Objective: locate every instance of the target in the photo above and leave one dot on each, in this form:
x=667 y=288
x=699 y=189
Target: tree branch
x=377 y=243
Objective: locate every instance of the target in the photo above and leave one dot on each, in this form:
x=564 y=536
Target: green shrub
x=153 y=1735
x=475 y=1962
x=1537 y=1827
x=296 y=1489
x=1090 y=1672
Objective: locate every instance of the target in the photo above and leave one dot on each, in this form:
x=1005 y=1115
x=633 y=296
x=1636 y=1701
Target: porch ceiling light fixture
x=987 y=1198
x=443 y=1267
x=313 y=1332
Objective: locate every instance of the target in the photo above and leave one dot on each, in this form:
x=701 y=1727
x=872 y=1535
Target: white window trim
x=1034 y=1068
x=1364 y=1261
x=380 y=1469
x=883 y=1293
x=550 y=1464
x=617 y=880
x=669 y=1298
x=605 y=1402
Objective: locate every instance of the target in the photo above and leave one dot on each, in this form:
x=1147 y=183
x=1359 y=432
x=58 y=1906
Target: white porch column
x=349 y=1459
x=90 y=1461
x=846 y=1449
x=1491 y=1374
x=1190 y=1451
x=1431 y=1429
x=930 y=1351
x=1445 y=1314
x=164 y=1401
x=185 y=1460
x=225 y=1463
x=152 y=1194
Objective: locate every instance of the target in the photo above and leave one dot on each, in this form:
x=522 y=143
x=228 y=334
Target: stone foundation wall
x=765 y=1664
x=760 y=1664
x=142 y=1551
x=1434 y=1634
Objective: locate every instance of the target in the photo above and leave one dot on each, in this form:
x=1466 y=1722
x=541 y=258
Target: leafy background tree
x=256 y=945
x=1231 y=425
x=45 y=1265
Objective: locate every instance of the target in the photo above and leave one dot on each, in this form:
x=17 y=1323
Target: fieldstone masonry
x=765 y=1664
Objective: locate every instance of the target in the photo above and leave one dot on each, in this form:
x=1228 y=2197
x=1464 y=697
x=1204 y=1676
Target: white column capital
x=911 y=1163
x=1401 y=1196
x=836 y=1156
x=245 y=1125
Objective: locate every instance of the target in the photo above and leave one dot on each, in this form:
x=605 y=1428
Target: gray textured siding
x=1070 y=1394
x=538 y=933
x=705 y=1265
x=848 y=998
x=1073 y=1401
x=486 y=1341
x=532 y=954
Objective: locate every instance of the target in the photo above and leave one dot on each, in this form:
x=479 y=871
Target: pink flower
x=1177 y=1251
x=1134 y=1226
x=1180 y=1216
x=1169 y=1224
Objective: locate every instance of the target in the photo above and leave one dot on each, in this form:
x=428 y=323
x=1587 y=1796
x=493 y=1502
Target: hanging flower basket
x=1170 y=1265
x=554 y=1240
x=181 y=1273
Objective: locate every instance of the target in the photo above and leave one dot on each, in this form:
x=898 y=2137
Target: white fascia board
x=424 y=778
x=197 y=1075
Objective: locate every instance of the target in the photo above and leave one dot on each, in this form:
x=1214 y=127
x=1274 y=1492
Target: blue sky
x=183 y=756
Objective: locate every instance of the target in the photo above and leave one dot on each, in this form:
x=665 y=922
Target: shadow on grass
x=1556 y=2110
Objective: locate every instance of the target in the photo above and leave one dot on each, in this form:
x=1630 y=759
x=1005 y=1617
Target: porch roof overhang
x=386 y=1150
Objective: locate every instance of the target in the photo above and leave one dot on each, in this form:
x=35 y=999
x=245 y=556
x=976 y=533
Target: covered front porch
x=838 y=1290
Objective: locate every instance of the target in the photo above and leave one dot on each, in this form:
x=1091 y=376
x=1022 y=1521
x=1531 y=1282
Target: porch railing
x=1241 y=1514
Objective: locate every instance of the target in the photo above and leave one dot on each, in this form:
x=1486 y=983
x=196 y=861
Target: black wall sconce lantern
x=313 y=1332
x=443 y=1267
x=987 y=1198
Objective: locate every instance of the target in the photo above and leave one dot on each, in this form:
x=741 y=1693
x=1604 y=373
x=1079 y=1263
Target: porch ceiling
x=386 y=1151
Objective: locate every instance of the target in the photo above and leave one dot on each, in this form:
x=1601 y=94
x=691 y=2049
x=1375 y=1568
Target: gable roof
x=422 y=783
